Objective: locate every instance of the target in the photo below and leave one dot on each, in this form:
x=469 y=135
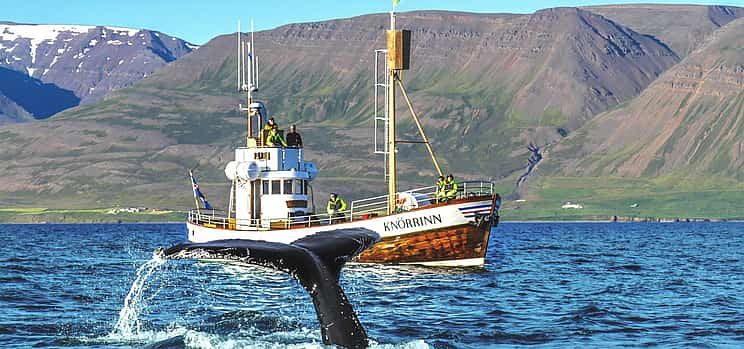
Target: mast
x=392 y=180
x=398 y=59
x=250 y=83
x=247 y=80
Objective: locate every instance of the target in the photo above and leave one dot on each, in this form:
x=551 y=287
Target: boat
x=271 y=186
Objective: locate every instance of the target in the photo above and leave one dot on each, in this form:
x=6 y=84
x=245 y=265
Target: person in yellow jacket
x=270 y=124
x=274 y=139
x=440 y=189
x=335 y=206
x=450 y=188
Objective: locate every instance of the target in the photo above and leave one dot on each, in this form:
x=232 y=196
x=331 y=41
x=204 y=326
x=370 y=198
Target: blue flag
x=198 y=194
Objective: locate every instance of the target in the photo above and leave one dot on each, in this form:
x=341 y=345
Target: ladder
x=382 y=124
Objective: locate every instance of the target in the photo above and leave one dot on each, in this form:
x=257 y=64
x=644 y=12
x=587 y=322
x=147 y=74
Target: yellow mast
x=398 y=59
x=393 y=66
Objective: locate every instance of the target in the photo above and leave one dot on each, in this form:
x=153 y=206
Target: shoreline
x=518 y=221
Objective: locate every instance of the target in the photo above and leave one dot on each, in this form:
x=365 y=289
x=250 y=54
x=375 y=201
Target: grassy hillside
x=688 y=123
x=605 y=197
x=485 y=85
x=676 y=150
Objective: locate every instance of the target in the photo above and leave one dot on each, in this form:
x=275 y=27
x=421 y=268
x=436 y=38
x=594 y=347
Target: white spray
x=128 y=324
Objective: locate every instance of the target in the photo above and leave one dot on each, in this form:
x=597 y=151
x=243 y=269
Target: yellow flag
x=395 y=2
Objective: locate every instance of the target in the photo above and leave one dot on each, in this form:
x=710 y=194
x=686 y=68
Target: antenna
x=250 y=66
x=254 y=61
x=240 y=83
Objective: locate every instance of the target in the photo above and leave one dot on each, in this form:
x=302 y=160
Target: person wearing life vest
x=440 y=189
x=335 y=206
x=450 y=188
x=274 y=139
x=270 y=124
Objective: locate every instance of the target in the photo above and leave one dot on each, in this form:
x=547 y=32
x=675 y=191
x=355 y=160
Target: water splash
x=129 y=324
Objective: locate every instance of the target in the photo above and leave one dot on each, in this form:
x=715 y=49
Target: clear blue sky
x=198 y=21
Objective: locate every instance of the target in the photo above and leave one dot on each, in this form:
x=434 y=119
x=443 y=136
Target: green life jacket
x=275 y=138
x=336 y=205
x=440 y=187
x=450 y=188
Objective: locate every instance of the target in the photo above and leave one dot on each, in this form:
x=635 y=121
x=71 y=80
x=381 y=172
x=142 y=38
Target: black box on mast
x=399 y=49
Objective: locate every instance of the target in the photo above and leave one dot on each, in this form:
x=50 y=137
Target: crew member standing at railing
x=440 y=189
x=336 y=205
x=293 y=138
x=275 y=138
x=450 y=188
x=270 y=124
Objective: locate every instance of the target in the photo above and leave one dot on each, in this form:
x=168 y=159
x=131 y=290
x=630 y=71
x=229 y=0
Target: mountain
x=682 y=27
x=689 y=122
x=486 y=86
x=49 y=68
x=12 y=112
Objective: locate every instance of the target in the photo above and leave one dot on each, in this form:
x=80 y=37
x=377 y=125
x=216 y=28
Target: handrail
x=359 y=210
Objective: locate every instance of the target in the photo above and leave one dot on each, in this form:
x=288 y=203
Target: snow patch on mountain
x=79 y=59
x=38 y=34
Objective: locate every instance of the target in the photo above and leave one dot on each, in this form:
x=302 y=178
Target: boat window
x=299 y=187
x=265 y=187
x=287 y=186
x=276 y=187
x=306 y=183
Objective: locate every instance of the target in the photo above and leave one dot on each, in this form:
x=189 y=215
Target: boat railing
x=218 y=219
x=358 y=210
x=425 y=195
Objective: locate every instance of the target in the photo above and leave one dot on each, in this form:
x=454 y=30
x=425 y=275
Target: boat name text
x=405 y=223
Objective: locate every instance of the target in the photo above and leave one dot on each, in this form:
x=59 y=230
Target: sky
x=199 y=21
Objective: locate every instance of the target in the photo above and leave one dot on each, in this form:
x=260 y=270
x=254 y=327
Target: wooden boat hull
x=463 y=245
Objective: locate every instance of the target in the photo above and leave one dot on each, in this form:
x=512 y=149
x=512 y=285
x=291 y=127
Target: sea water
x=544 y=285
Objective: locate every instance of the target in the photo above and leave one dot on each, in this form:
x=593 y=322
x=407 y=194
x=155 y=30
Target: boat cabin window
x=288 y=186
x=265 y=190
x=299 y=188
x=276 y=187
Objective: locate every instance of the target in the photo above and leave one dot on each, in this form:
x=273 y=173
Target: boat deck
x=358 y=210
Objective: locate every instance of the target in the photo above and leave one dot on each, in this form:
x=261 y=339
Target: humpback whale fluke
x=315 y=261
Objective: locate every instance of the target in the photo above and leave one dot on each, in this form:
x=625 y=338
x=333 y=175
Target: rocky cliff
x=74 y=65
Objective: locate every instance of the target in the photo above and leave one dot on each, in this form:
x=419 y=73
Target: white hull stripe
x=468 y=208
x=475 y=215
x=471 y=262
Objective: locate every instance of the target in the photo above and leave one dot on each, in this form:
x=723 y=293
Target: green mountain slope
x=486 y=85
x=690 y=121
x=677 y=150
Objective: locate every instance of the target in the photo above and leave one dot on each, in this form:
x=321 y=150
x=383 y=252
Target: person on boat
x=440 y=189
x=274 y=139
x=294 y=139
x=270 y=124
x=450 y=188
x=335 y=206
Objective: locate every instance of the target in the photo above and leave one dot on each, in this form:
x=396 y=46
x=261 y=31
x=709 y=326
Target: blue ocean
x=545 y=285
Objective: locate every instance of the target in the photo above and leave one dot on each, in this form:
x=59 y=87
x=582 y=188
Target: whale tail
x=315 y=261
